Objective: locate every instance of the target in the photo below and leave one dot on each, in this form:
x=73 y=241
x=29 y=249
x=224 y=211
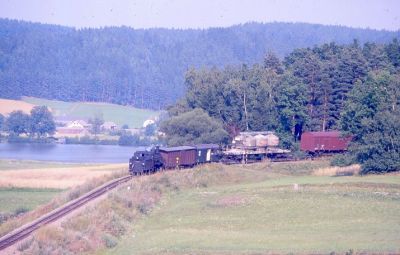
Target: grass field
x=12 y=199
x=265 y=212
x=14 y=164
x=39 y=187
x=119 y=114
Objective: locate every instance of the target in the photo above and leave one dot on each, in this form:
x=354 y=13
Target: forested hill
x=143 y=68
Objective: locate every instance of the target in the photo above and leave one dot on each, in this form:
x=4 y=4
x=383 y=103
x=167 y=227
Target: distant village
x=70 y=127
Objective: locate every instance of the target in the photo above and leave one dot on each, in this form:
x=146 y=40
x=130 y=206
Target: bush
x=194 y=127
x=342 y=160
x=128 y=140
x=108 y=142
x=133 y=140
x=20 y=210
x=82 y=140
x=4 y=217
x=144 y=207
x=25 y=244
x=109 y=241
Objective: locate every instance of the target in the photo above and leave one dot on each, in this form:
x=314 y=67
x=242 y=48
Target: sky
x=375 y=14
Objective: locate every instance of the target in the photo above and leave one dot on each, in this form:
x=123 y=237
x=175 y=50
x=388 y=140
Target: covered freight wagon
x=181 y=156
x=207 y=153
x=330 y=141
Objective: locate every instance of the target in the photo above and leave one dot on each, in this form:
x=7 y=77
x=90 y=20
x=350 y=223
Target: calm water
x=67 y=152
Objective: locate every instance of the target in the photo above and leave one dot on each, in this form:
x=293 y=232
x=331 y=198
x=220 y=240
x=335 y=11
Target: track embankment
x=27 y=229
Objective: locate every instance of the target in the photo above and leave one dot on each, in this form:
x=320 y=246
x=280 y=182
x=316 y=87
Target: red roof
x=324 y=134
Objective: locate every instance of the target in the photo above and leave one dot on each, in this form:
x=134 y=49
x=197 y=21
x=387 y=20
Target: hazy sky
x=377 y=14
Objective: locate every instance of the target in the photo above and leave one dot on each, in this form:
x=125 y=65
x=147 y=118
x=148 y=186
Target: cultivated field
x=118 y=114
x=23 y=174
x=7 y=106
x=274 y=208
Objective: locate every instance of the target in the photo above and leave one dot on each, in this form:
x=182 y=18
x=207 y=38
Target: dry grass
x=59 y=178
x=7 y=106
x=58 y=201
x=338 y=171
x=100 y=226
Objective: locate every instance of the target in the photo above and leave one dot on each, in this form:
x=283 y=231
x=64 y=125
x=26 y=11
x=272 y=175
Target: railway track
x=26 y=230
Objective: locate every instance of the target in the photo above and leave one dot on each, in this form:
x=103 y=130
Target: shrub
x=4 y=217
x=128 y=140
x=342 y=160
x=25 y=244
x=21 y=210
x=109 y=241
x=164 y=180
x=108 y=142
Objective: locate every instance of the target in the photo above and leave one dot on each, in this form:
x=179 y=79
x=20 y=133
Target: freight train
x=247 y=147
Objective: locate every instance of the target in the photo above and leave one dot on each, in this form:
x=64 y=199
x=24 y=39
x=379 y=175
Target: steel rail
x=25 y=230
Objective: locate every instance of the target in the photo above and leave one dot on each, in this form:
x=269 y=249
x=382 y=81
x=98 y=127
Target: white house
x=75 y=124
x=148 y=122
x=109 y=125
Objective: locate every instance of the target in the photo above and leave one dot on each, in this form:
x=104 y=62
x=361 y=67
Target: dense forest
x=145 y=68
x=353 y=88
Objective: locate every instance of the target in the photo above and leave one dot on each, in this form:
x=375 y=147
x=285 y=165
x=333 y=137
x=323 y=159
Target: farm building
x=148 y=122
x=60 y=131
x=331 y=141
x=109 y=125
x=78 y=124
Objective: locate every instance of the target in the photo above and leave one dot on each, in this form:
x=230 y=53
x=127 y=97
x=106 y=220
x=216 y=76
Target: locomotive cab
x=145 y=162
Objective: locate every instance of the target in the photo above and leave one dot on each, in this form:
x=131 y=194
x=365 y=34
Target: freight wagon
x=330 y=141
x=181 y=156
x=207 y=153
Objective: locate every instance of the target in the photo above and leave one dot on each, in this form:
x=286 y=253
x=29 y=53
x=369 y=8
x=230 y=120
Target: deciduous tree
x=42 y=122
x=194 y=127
x=18 y=123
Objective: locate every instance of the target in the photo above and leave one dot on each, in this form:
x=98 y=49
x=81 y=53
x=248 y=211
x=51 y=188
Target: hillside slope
x=118 y=114
x=142 y=68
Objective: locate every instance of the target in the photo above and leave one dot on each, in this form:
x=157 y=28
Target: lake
x=76 y=153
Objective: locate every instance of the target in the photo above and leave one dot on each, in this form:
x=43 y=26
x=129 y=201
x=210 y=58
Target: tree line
x=353 y=88
x=142 y=67
x=38 y=124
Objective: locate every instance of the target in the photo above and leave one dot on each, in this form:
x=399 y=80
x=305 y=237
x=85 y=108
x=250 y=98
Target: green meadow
x=118 y=114
x=273 y=209
x=24 y=199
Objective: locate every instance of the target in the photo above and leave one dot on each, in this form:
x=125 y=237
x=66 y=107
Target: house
x=75 y=124
x=148 y=122
x=67 y=131
x=63 y=120
x=134 y=131
x=109 y=125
